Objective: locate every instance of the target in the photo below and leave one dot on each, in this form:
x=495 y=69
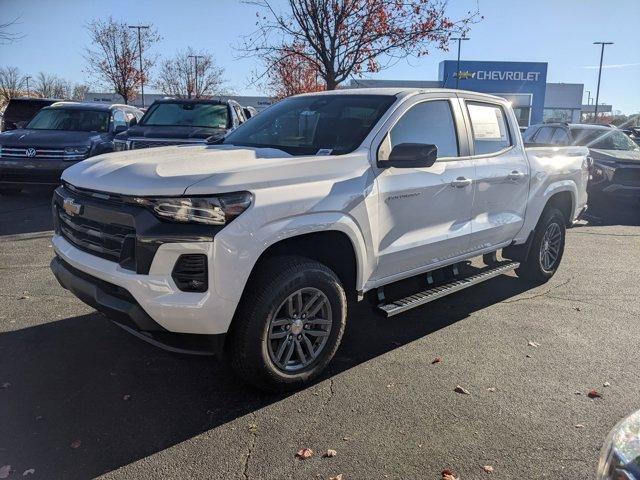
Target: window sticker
x=324 y=151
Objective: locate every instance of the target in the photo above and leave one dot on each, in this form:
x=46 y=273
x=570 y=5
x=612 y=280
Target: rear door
x=502 y=173
x=424 y=214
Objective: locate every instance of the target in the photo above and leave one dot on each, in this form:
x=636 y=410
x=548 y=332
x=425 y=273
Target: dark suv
x=182 y=121
x=20 y=110
x=56 y=138
x=616 y=168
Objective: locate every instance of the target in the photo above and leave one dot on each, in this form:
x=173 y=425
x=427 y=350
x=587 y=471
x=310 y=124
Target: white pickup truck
x=252 y=247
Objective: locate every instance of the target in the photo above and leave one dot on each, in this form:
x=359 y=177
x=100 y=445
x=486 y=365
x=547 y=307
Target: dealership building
x=523 y=83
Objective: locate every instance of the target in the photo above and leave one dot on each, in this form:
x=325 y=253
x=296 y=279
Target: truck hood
x=46 y=138
x=209 y=169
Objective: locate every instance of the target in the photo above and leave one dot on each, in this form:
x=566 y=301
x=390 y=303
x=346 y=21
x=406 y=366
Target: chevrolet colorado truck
x=252 y=247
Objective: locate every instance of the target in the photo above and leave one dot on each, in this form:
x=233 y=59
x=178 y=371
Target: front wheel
x=289 y=325
x=547 y=248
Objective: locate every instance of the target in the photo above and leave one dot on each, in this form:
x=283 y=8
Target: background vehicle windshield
x=336 y=124
x=603 y=139
x=182 y=114
x=71 y=119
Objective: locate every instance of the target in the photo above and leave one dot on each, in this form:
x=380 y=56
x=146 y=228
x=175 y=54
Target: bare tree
x=177 y=76
x=79 y=92
x=12 y=83
x=350 y=37
x=114 y=57
x=51 y=86
x=6 y=36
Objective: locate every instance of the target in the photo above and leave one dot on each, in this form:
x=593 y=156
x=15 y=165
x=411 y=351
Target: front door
x=424 y=213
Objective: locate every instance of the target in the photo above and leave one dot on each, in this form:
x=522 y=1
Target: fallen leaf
x=337 y=477
x=5 y=471
x=126 y=398
x=75 y=444
x=461 y=390
x=304 y=453
x=391 y=385
x=448 y=474
x=253 y=427
x=330 y=453
x=533 y=344
x=31 y=471
x=577 y=309
x=579 y=425
x=346 y=439
x=578 y=393
x=491 y=389
x=606 y=384
x=488 y=469
x=593 y=393
x=436 y=360
x=528 y=356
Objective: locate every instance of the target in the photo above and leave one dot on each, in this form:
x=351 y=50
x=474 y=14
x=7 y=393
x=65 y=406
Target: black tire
x=533 y=268
x=10 y=190
x=249 y=348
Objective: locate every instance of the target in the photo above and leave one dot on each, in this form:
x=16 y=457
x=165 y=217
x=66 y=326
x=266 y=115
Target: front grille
x=39 y=153
x=139 y=143
x=106 y=240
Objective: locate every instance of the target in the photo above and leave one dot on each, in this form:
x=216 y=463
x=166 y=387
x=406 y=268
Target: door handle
x=461 y=182
x=516 y=175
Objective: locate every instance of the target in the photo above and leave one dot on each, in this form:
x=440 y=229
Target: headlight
x=218 y=210
x=120 y=145
x=75 y=153
x=620 y=454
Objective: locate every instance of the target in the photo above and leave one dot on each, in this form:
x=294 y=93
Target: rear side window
x=560 y=137
x=428 y=122
x=489 y=126
x=544 y=135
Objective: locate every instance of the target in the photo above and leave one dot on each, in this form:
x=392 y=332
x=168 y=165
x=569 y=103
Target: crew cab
x=181 y=122
x=57 y=137
x=616 y=157
x=253 y=247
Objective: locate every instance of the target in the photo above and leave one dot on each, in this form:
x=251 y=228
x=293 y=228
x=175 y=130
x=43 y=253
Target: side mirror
x=119 y=129
x=412 y=155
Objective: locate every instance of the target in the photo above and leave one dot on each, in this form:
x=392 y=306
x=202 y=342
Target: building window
x=558 y=115
x=523 y=114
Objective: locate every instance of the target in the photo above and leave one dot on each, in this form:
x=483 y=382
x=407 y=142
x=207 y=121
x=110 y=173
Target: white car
x=253 y=247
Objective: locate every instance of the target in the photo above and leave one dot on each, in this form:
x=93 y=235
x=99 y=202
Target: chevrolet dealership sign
x=499 y=75
x=500 y=78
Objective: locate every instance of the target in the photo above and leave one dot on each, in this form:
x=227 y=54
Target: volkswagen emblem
x=71 y=206
x=31 y=152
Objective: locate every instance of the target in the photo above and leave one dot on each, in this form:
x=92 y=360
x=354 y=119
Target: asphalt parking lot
x=81 y=398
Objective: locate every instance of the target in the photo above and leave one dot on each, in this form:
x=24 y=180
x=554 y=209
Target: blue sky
x=559 y=32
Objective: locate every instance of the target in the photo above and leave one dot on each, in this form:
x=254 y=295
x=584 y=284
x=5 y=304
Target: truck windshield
x=187 y=114
x=71 y=119
x=610 y=139
x=314 y=124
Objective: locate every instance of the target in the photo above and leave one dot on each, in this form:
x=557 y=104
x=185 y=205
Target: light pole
x=602 y=44
x=27 y=78
x=588 y=97
x=459 y=39
x=195 y=58
x=139 y=28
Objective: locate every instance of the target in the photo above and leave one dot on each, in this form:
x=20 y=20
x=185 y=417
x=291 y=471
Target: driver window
x=429 y=122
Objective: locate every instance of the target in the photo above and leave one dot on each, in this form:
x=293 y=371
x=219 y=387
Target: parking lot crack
x=251 y=446
x=538 y=295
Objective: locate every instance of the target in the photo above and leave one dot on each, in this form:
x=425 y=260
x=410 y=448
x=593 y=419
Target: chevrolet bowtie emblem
x=71 y=206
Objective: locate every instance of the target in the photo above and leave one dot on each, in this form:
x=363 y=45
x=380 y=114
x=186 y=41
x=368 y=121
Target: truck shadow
x=83 y=379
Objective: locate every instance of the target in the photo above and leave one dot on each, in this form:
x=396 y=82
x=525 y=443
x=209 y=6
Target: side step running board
x=431 y=294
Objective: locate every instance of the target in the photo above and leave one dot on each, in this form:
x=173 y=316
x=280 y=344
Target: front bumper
x=32 y=172
x=123 y=309
x=619 y=180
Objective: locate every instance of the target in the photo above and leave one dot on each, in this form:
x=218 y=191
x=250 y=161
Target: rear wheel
x=10 y=190
x=547 y=248
x=289 y=325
